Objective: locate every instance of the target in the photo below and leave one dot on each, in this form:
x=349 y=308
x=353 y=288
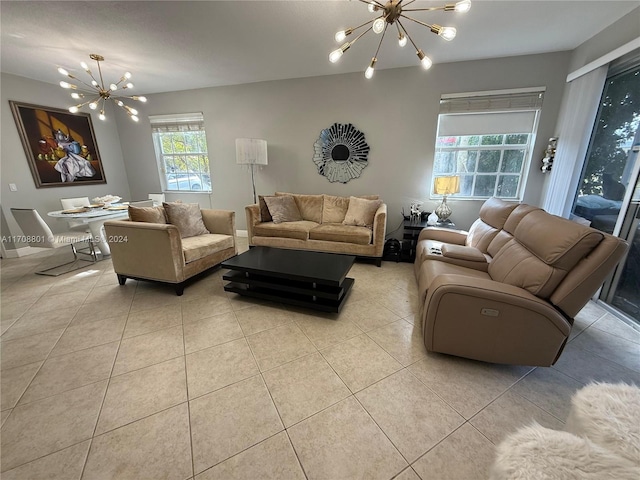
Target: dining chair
x=157 y=198
x=142 y=203
x=68 y=203
x=38 y=234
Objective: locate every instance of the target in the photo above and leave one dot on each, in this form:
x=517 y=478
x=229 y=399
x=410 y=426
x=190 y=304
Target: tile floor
x=103 y=381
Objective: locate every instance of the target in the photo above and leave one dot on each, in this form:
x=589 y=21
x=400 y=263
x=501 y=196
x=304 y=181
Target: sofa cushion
x=147 y=214
x=283 y=209
x=495 y=212
x=361 y=212
x=299 y=229
x=481 y=235
x=195 y=248
x=336 y=232
x=334 y=208
x=265 y=216
x=187 y=217
x=310 y=206
x=543 y=250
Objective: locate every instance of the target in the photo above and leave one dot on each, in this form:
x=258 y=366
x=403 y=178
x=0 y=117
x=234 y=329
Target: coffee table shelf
x=307 y=279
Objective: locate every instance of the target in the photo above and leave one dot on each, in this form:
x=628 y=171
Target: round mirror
x=341 y=152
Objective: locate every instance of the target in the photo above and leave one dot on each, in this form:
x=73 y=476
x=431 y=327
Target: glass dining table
x=95 y=218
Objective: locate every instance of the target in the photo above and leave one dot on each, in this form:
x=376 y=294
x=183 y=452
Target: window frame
x=502 y=148
x=514 y=101
x=181 y=124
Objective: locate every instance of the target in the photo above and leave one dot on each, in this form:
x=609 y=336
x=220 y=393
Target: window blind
x=184 y=122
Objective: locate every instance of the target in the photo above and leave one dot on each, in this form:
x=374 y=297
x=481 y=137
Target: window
x=487 y=140
x=181 y=151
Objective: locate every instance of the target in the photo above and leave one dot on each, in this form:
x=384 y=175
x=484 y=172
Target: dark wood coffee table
x=307 y=279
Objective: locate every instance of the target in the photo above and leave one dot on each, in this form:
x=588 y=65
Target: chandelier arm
x=373 y=1
x=408 y=3
x=417 y=21
x=381 y=38
x=353 y=29
x=408 y=36
x=358 y=37
x=100 y=73
x=92 y=87
x=430 y=9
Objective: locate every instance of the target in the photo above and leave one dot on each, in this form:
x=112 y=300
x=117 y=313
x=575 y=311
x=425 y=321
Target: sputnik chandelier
x=98 y=93
x=390 y=13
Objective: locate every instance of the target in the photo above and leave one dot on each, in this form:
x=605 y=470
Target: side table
x=411 y=232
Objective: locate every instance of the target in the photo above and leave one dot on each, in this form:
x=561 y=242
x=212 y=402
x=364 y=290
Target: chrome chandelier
x=99 y=93
x=390 y=13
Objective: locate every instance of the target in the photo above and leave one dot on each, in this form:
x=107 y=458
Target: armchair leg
x=179 y=289
x=121 y=279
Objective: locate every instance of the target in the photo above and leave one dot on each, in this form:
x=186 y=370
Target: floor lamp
x=251 y=151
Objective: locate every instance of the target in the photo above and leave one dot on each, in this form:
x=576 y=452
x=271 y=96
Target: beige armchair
x=512 y=299
x=155 y=251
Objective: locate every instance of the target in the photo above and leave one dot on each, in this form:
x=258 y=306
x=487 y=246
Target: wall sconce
x=549 y=155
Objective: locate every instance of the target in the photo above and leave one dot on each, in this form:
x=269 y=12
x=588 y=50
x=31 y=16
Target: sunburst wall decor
x=341 y=152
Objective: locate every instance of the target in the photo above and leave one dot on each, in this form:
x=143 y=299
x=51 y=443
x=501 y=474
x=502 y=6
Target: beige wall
x=14 y=167
x=397 y=111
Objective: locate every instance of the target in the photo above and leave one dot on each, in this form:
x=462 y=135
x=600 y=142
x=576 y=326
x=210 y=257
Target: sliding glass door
x=608 y=196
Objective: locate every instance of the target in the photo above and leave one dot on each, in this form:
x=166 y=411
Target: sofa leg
x=121 y=279
x=379 y=262
x=179 y=289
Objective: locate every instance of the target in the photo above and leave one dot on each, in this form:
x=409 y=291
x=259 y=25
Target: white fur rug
x=538 y=453
x=609 y=415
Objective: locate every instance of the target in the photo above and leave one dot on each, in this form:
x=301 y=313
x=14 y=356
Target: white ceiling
x=180 y=45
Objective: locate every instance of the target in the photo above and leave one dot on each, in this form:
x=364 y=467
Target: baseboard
x=242 y=233
x=22 y=251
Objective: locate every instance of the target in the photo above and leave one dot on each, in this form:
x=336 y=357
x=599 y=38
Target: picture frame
x=60 y=146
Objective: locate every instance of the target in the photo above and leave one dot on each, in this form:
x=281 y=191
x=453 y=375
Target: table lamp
x=445 y=186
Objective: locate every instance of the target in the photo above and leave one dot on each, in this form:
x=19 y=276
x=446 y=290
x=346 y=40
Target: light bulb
x=63 y=71
x=73 y=109
x=340 y=36
x=93 y=105
x=368 y=73
x=335 y=55
x=75 y=95
x=120 y=104
x=127 y=75
x=133 y=111
x=378 y=25
x=402 y=39
x=113 y=87
x=448 y=33
x=102 y=115
x=372 y=7
x=130 y=85
x=94 y=83
x=134 y=118
x=424 y=60
x=85 y=66
x=65 y=85
x=463 y=6
x=140 y=99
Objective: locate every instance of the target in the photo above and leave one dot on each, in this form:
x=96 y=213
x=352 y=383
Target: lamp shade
x=446 y=185
x=251 y=151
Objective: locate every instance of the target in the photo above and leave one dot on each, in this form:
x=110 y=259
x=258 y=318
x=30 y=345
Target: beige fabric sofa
x=507 y=290
x=155 y=251
x=316 y=231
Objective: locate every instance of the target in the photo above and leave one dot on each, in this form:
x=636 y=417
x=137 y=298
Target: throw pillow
x=361 y=212
x=283 y=209
x=334 y=209
x=187 y=217
x=265 y=216
x=147 y=214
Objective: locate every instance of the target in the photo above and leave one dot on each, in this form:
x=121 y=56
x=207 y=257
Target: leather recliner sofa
x=507 y=291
